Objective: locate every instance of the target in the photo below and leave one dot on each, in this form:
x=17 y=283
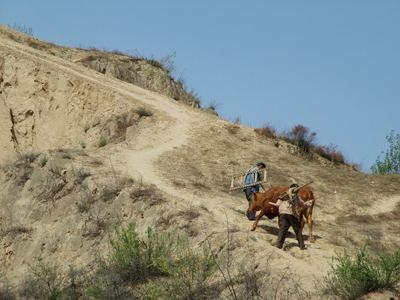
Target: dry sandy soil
x=59 y=110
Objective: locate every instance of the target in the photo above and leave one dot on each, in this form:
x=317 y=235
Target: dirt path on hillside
x=383 y=206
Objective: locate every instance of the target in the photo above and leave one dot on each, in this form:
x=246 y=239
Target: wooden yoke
x=285 y=194
x=237 y=181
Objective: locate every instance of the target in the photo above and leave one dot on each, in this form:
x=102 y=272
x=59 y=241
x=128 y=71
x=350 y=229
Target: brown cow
x=260 y=202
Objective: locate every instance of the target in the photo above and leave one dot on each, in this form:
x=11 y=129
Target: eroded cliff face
x=139 y=72
x=43 y=107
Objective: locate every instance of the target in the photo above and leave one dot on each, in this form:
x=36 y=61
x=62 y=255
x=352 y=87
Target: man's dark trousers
x=287 y=220
x=249 y=194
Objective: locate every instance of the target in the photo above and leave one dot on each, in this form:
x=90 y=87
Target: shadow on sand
x=275 y=230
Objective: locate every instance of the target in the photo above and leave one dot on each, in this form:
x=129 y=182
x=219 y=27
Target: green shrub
x=158 y=266
x=46 y=282
x=391 y=162
x=137 y=260
x=190 y=278
x=354 y=276
x=87 y=127
x=102 y=142
x=144 y=112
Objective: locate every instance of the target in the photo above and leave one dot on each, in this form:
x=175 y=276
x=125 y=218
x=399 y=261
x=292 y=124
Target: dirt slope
x=60 y=110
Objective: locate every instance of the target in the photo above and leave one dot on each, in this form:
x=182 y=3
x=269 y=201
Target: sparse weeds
x=330 y=153
x=67 y=156
x=43 y=162
x=148 y=193
x=96 y=223
x=302 y=137
x=199 y=184
x=237 y=120
x=110 y=192
x=32 y=43
x=20 y=170
x=49 y=277
x=15 y=230
x=144 y=112
x=123 y=122
x=84 y=206
x=6 y=292
x=102 y=142
x=178 y=183
x=22 y=29
x=126 y=181
x=213 y=105
x=233 y=129
x=48 y=281
x=87 y=127
x=30 y=158
x=81 y=175
x=267 y=131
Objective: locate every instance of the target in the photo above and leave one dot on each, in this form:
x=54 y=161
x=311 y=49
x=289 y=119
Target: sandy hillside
x=55 y=112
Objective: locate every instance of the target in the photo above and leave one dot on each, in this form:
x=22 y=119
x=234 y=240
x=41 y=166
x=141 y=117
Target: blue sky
x=332 y=66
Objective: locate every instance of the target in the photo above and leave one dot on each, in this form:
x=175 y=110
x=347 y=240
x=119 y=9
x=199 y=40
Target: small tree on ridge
x=391 y=162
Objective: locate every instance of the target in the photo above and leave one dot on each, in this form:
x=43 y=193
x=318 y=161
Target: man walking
x=289 y=216
x=248 y=191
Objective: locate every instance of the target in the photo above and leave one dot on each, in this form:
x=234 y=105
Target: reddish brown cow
x=260 y=202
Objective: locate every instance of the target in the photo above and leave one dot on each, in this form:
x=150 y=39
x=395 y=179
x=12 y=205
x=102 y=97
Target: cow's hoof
x=253 y=228
x=312 y=240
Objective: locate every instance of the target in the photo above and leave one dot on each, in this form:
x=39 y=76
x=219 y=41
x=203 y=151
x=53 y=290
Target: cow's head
x=255 y=203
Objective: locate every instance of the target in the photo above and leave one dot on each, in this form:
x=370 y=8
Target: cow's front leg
x=258 y=219
x=310 y=224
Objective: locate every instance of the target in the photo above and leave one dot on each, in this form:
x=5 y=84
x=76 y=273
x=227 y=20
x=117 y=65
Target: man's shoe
x=303 y=248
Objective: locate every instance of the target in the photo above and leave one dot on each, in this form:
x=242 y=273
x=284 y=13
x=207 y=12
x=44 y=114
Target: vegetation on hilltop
x=391 y=161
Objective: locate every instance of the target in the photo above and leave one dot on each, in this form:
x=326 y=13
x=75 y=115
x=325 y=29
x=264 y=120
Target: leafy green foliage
x=137 y=260
x=190 y=277
x=158 y=266
x=354 y=276
x=391 y=161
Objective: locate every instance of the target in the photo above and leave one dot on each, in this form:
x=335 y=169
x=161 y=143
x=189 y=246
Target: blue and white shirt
x=250 y=178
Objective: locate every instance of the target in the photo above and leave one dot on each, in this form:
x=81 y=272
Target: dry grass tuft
x=267 y=131
x=178 y=183
x=148 y=193
x=233 y=129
